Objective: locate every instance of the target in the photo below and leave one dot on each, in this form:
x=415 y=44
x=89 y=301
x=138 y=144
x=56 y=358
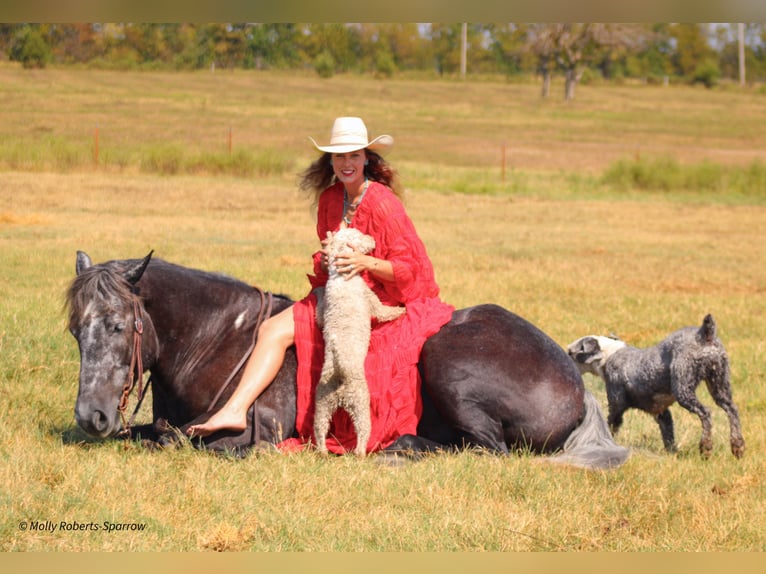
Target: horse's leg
x=665 y=421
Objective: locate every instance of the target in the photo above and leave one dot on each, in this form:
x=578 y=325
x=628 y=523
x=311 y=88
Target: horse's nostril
x=100 y=421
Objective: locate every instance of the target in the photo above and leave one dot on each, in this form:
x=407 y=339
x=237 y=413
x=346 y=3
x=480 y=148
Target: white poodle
x=345 y=312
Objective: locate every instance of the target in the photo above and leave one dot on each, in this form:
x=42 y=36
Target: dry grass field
x=551 y=242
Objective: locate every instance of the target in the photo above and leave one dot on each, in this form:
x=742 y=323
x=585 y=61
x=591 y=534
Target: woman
x=352 y=186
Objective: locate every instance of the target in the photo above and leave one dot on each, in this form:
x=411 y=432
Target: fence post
x=95 y=145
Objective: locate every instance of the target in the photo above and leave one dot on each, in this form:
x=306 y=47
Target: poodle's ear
x=367 y=244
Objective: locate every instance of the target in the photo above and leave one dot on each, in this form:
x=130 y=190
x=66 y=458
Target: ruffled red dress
x=391 y=364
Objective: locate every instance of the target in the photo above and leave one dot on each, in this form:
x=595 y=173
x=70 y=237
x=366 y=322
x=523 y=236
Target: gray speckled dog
x=654 y=378
x=344 y=313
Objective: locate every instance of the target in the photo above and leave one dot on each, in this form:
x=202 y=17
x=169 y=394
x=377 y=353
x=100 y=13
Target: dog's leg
x=359 y=410
x=665 y=420
x=618 y=404
x=324 y=407
x=684 y=384
x=720 y=389
x=381 y=312
x=321 y=425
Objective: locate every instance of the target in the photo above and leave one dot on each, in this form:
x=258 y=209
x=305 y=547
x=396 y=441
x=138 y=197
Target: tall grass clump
x=667 y=174
x=166 y=159
x=173 y=160
x=48 y=153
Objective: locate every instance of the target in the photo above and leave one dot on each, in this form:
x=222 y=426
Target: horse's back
x=494 y=380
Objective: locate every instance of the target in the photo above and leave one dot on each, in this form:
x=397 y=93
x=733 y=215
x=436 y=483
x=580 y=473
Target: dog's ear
x=586 y=350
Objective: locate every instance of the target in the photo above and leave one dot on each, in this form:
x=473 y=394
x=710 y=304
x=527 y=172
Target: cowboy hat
x=350 y=134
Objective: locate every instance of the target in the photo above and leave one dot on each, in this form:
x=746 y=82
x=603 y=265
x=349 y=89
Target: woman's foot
x=222 y=420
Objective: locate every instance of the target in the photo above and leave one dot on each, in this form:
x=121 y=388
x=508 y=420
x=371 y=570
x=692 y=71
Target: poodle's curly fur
x=344 y=312
x=652 y=379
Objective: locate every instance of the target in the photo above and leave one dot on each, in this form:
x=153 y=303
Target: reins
x=265 y=311
x=137 y=367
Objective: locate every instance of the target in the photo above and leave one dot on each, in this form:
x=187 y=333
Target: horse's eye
x=115 y=325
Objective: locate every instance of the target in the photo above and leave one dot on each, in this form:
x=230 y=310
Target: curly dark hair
x=319 y=175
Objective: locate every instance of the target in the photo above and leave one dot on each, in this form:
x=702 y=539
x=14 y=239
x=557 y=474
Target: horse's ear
x=83 y=262
x=134 y=273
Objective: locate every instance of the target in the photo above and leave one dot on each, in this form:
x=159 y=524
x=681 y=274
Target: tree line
x=662 y=52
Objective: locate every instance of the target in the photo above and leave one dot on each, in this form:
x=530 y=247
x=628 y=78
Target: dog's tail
x=591 y=444
x=707 y=331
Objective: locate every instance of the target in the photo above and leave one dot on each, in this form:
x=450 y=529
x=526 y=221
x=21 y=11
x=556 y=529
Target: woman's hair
x=319 y=175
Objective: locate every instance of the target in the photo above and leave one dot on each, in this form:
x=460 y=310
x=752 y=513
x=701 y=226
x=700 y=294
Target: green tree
x=507 y=45
x=445 y=43
x=691 y=48
x=30 y=48
x=272 y=45
x=341 y=41
x=324 y=64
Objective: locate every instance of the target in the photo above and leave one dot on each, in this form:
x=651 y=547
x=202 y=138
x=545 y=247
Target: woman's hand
x=325 y=260
x=354 y=263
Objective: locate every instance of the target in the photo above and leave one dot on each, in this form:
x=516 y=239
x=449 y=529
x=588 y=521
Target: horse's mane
x=100 y=283
x=104 y=283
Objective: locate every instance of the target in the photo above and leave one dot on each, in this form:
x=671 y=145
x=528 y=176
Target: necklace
x=349 y=209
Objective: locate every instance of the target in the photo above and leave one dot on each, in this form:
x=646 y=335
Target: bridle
x=137 y=366
x=136 y=371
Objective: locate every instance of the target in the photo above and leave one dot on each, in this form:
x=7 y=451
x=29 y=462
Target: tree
x=340 y=41
x=408 y=48
x=508 y=46
x=572 y=46
x=30 y=48
x=272 y=45
x=445 y=42
x=691 y=48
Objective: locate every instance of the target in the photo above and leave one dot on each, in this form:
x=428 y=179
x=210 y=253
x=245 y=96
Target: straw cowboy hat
x=350 y=134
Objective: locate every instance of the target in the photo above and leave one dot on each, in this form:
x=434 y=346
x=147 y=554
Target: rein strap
x=264 y=312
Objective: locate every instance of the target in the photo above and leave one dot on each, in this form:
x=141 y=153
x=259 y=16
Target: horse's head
x=102 y=317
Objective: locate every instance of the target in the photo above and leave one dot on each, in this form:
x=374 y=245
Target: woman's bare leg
x=274 y=337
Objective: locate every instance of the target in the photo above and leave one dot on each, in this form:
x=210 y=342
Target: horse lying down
x=346 y=309
x=652 y=379
x=490 y=379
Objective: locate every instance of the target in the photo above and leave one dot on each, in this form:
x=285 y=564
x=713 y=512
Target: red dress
x=391 y=364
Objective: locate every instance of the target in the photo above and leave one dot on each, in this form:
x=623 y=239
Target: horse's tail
x=591 y=444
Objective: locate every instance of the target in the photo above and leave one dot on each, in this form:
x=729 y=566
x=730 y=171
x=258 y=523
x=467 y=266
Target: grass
x=557 y=246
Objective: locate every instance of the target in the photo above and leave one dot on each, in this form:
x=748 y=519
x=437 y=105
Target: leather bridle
x=136 y=372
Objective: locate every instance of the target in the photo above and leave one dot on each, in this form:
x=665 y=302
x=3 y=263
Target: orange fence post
x=95 y=145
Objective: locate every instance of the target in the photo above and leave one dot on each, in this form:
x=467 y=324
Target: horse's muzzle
x=97 y=423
